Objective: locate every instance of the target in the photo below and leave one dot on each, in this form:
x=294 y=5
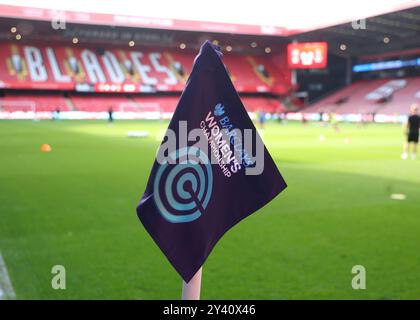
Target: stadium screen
x=307 y=55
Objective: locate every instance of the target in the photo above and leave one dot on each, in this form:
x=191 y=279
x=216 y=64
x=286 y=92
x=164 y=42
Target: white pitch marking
x=398 y=196
x=6 y=288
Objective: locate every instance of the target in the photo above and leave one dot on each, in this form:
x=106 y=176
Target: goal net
x=19 y=109
x=140 y=110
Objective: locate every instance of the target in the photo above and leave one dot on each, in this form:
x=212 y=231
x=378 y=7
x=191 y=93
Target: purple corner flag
x=203 y=187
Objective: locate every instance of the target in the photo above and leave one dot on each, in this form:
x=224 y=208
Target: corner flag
x=212 y=169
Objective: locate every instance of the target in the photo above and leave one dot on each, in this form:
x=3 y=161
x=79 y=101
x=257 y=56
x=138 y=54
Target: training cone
x=46 y=147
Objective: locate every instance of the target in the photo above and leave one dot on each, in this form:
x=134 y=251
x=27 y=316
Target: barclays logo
x=219 y=110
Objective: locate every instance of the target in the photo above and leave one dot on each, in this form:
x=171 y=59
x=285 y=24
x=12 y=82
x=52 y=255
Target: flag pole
x=191 y=290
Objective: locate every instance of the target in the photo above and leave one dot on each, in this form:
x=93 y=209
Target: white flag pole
x=191 y=290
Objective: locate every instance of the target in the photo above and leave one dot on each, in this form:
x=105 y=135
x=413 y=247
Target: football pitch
x=75 y=207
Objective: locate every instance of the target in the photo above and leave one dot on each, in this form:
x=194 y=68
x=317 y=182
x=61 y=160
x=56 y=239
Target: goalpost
x=140 y=110
x=20 y=109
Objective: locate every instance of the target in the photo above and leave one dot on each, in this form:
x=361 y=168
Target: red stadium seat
x=101 y=103
x=164 y=70
x=355 y=98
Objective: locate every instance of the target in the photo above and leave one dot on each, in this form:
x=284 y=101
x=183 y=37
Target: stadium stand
x=100 y=103
x=384 y=96
x=150 y=103
x=91 y=79
x=53 y=68
x=128 y=80
x=402 y=99
x=254 y=104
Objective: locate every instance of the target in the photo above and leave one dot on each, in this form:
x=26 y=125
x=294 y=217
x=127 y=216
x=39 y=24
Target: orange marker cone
x=45 y=147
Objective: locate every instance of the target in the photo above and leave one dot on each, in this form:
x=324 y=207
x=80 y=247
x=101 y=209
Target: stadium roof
x=392 y=34
x=262 y=17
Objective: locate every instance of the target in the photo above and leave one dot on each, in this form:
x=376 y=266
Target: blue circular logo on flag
x=182 y=190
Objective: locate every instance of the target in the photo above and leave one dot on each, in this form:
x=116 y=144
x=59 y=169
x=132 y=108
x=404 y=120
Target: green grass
x=76 y=206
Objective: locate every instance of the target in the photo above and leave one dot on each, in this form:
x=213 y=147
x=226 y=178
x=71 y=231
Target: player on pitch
x=412 y=128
